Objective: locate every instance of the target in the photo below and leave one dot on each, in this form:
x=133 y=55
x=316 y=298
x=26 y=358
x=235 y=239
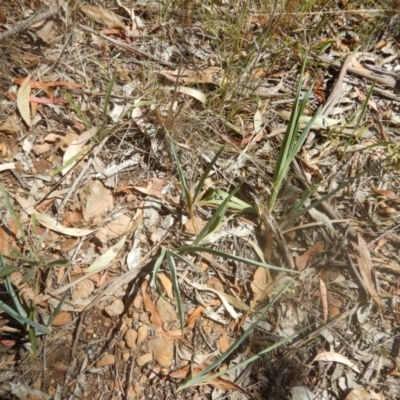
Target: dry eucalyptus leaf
x=103 y=16
x=23 y=94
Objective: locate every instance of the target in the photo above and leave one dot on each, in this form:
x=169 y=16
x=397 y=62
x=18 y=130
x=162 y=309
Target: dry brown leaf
x=103 y=16
x=261 y=286
x=77 y=145
x=10 y=126
x=62 y=318
x=366 y=267
x=218 y=383
x=46 y=32
x=149 y=306
x=166 y=284
x=324 y=298
x=306 y=258
x=8 y=234
x=23 y=94
x=207 y=75
x=194 y=226
x=331 y=356
x=381 y=242
x=223 y=343
x=362 y=394
x=191 y=321
x=46 y=85
x=386 y=193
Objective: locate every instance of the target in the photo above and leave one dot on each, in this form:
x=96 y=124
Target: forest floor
x=199 y=199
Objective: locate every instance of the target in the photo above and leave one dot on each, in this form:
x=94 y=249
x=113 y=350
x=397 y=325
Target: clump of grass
x=32 y=265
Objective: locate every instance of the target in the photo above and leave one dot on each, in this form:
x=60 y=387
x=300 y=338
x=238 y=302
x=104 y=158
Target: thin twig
x=128 y=47
x=29 y=22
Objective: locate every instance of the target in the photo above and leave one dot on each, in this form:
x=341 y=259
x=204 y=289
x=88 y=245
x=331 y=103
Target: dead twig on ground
x=128 y=47
x=29 y=22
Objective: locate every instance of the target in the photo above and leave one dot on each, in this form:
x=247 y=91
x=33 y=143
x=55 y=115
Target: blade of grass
x=192 y=248
x=186 y=193
x=107 y=99
x=57 y=310
x=78 y=111
x=14 y=217
x=24 y=321
x=175 y=285
x=17 y=304
x=326 y=197
x=156 y=268
x=215 y=220
x=292 y=142
x=203 y=376
x=206 y=173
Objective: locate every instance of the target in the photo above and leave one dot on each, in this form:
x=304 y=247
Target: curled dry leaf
x=306 y=258
x=331 y=356
x=324 y=298
x=218 y=383
x=366 y=267
x=261 y=285
x=362 y=394
x=63 y=318
x=207 y=75
x=103 y=16
x=166 y=284
x=23 y=94
x=105 y=259
x=149 y=306
x=75 y=147
x=386 y=193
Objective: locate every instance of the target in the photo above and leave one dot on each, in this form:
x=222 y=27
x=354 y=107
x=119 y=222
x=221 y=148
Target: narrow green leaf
x=15 y=298
x=206 y=173
x=24 y=321
x=29 y=275
x=7 y=270
x=107 y=99
x=186 y=193
x=202 y=376
x=57 y=310
x=175 y=285
x=14 y=216
x=216 y=219
x=62 y=262
x=156 y=268
x=192 y=248
x=78 y=111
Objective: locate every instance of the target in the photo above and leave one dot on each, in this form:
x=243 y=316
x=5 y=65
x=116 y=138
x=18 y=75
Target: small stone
x=39 y=149
x=126 y=356
x=162 y=350
x=144 y=359
x=115 y=308
x=145 y=318
x=108 y=359
x=166 y=310
x=83 y=289
x=130 y=338
x=142 y=334
x=62 y=318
